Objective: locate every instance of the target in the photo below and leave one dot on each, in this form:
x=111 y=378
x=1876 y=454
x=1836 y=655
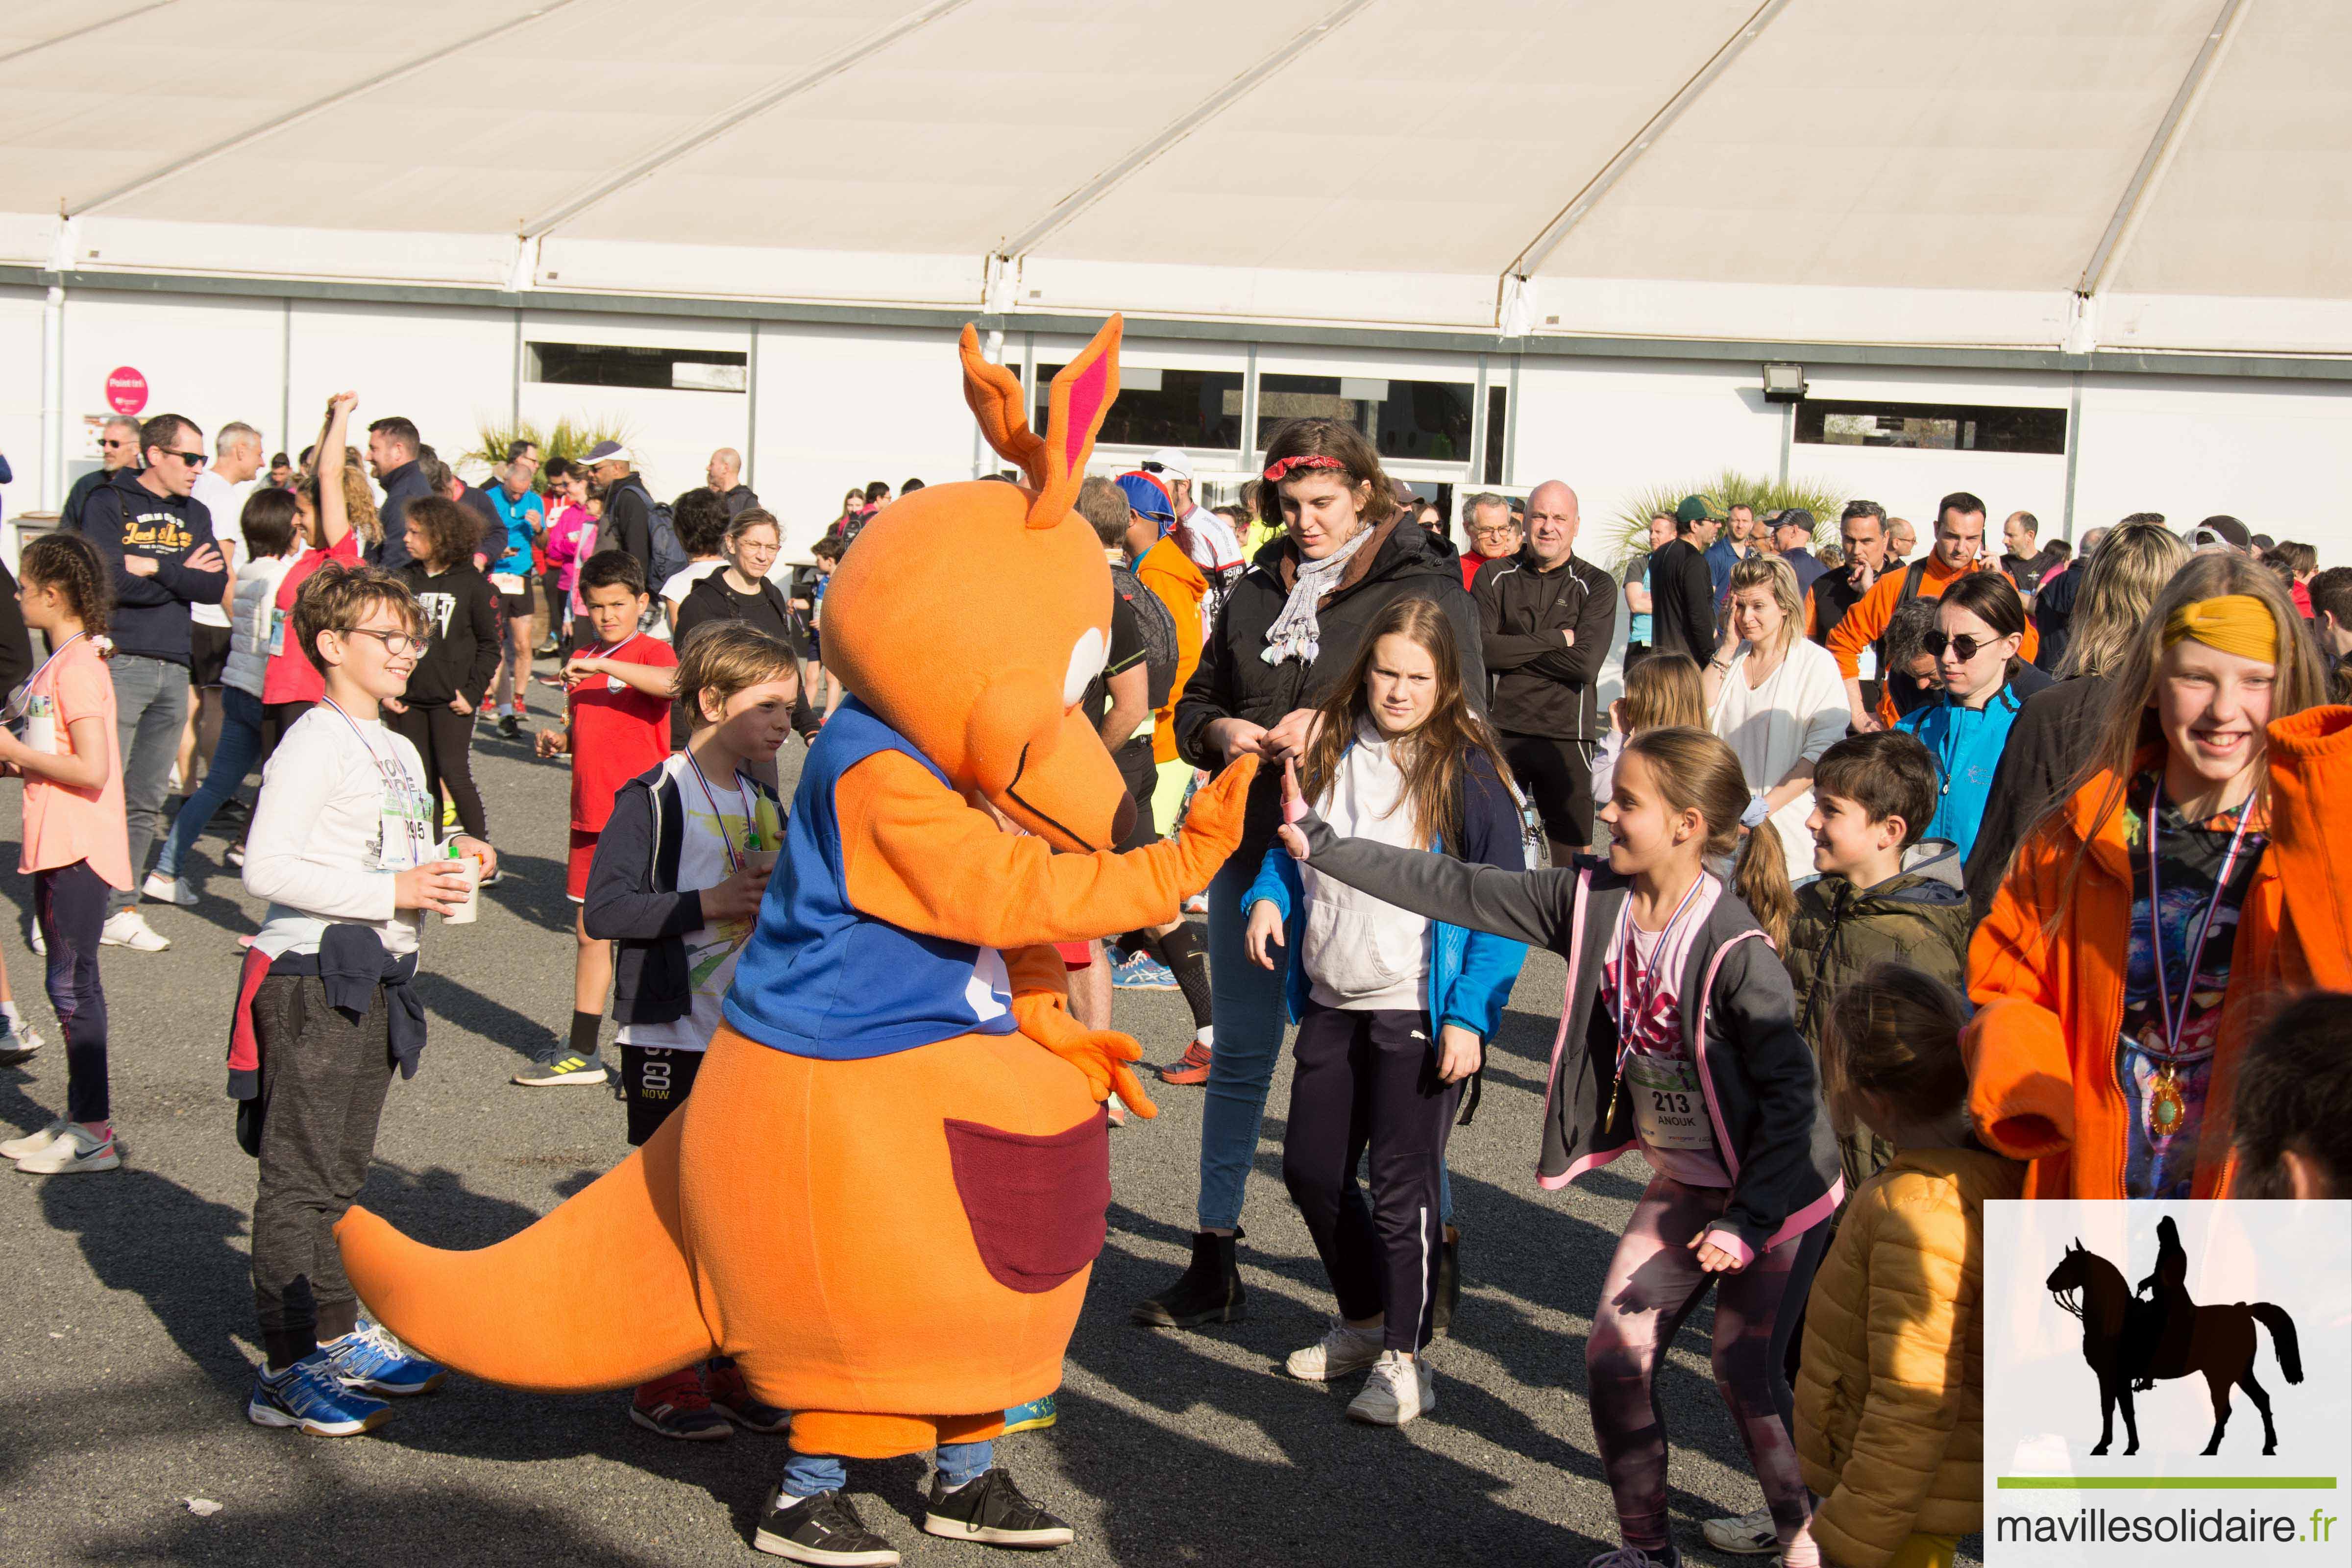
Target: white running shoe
x=1398 y=1391
x=1342 y=1350
x=168 y=890
x=38 y=943
x=1749 y=1535
x=34 y=1143
x=75 y=1150
x=128 y=928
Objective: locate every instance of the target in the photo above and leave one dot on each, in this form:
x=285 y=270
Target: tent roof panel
x=1977 y=147
x=1396 y=146
x=955 y=136
x=2257 y=201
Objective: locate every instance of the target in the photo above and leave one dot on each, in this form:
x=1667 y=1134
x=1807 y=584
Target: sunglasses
x=1966 y=647
x=192 y=459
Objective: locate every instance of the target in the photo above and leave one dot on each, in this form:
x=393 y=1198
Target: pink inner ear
x=1085 y=402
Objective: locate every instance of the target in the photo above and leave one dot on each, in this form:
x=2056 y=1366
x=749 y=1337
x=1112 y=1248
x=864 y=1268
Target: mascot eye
x=1087 y=661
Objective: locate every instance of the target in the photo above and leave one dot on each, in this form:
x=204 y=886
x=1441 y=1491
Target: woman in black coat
x=1291 y=627
x=740 y=591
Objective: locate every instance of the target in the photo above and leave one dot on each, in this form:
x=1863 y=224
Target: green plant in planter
x=1630 y=530
x=568 y=439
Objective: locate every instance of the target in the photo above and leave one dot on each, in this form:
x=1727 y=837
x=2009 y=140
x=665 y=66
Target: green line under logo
x=2167 y=1483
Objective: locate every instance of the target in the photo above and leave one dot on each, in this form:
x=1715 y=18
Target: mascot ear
x=994 y=396
x=1080 y=401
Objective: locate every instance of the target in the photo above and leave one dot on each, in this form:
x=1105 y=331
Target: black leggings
x=1371 y=1078
x=69 y=901
x=444 y=739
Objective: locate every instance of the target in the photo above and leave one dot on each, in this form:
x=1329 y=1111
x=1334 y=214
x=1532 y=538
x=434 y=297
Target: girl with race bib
x=77 y=848
x=1677 y=1036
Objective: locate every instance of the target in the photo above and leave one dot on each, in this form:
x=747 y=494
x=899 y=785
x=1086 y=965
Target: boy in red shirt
x=618 y=727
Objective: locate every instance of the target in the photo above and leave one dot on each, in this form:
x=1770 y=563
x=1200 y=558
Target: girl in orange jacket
x=2149 y=919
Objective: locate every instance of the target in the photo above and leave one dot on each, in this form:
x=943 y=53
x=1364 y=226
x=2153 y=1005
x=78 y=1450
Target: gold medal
x=2166 y=1109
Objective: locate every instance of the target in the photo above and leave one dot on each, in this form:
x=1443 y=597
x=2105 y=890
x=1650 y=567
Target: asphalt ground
x=127 y=1341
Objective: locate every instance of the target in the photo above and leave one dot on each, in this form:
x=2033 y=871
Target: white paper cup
x=760 y=859
x=465 y=913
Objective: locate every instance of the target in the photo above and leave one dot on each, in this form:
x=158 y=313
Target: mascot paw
x=1103 y=1055
x=1212 y=829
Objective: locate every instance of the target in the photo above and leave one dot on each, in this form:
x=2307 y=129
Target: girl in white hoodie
x=1394 y=1010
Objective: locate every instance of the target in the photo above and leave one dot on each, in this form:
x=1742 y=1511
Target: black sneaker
x=1210 y=1288
x=511 y=726
x=821 y=1528
x=992 y=1512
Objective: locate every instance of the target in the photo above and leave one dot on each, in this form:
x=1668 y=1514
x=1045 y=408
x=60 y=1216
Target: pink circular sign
x=126 y=390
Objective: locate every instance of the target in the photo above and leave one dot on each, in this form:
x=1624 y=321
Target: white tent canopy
x=2127 y=175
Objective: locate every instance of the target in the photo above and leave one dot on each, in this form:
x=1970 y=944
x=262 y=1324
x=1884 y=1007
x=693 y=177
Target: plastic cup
x=465 y=913
x=760 y=859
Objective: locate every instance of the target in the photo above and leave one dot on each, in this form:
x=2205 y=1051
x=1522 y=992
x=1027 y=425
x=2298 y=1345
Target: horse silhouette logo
x=2133 y=1338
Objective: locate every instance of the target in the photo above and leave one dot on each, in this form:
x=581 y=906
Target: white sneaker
x=237 y=857
x=75 y=1150
x=168 y=890
x=128 y=928
x=38 y=942
x=1342 y=1350
x=1398 y=1391
x=1749 y=1535
x=34 y=1143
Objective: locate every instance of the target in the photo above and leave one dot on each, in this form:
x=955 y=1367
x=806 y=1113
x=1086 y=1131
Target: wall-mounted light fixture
x=1784 y=383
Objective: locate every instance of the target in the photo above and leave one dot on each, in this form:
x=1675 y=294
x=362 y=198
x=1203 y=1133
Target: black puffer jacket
x=1400 y=562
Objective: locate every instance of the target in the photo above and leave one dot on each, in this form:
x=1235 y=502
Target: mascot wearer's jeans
x=1250 y=1010
x=805 y=1475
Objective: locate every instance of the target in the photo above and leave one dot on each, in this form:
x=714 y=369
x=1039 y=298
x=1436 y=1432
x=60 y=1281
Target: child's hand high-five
x=1294 y=807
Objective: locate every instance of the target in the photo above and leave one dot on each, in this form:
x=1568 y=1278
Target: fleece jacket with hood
x=124 y=518
x=1762 y=1092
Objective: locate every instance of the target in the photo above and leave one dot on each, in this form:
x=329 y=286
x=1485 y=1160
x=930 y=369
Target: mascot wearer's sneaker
x=824 y=1529
x=992 y=1512
x=1033 y=1416
x=679 y=1406
x=731 y=1396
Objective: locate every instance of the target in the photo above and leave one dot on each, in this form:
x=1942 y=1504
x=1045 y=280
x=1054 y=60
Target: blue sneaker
x=307 y=1395
x=1141 y=972
x=1033 y=1416
x=369 y=1358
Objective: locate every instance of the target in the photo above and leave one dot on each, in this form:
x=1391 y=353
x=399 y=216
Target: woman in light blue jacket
x=1980 y=625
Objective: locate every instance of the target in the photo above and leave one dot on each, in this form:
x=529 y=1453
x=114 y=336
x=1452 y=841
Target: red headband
x=1284 y=469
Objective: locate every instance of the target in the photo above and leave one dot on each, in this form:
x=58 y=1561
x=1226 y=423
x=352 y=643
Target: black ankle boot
x=1449 y=1282
x=1210 y=1289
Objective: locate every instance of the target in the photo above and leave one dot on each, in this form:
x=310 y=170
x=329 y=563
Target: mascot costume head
x=884 y=1194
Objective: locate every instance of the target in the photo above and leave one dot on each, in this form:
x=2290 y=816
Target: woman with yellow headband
x=2201 y=868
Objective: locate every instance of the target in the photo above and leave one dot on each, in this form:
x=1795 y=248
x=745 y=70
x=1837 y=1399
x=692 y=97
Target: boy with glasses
x=342 y=846
x=157 y=544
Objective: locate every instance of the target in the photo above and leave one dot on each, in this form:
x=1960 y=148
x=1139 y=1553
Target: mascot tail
x=608 y=1266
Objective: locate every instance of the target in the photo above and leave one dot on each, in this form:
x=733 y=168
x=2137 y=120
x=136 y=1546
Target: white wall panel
x=448 y=369
x=211 y=359
x=20 y=397
x=843 y=405
x=2273 y=453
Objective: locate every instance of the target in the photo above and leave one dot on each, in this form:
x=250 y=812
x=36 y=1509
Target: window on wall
x=1423 y=421
x=1932 y=426
x=669 y=370
x=1163 y=407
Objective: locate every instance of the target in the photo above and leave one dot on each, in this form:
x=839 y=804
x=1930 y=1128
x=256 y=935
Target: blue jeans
x=1251 y=1011
x=233 y=758
x=805 y=1475
x=151 y=708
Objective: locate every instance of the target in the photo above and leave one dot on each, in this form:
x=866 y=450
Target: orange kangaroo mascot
x=885 y=1195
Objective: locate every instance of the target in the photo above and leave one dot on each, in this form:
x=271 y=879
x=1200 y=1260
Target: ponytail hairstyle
x=1759 y=875
x=1894 y=1037
x=69 y=564
x=1432 y=757
x=1695 y=770
x=1663 y=692
x=1327 y=445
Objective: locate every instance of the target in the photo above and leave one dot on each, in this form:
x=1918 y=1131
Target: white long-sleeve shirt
x=341 y=811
